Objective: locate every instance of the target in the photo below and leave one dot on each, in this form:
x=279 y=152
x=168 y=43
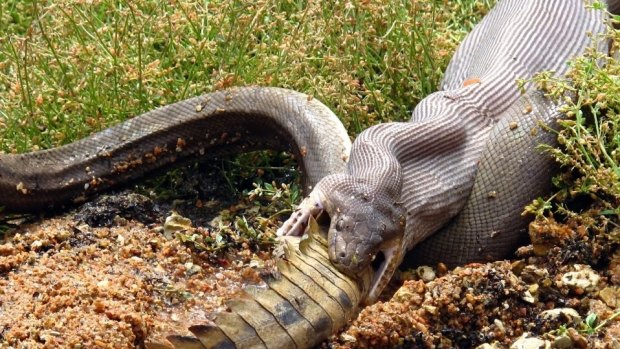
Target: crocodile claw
x=310 y=207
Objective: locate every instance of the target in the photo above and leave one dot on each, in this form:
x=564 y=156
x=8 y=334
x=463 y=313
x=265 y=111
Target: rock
x=562 y=342
x=430 y=309
x=578 y=340
x=192 y=269
x=611 y=296
x=518 y=266
x=411 y=292
x=493 y=345
x=562 y=315
x=527 y=341
x=426 y=273
x=175 y=222
x=347 y=338
x=533 y=274
x=583 y=278
x=529 y=297
x=7 y=249
x=500 y=325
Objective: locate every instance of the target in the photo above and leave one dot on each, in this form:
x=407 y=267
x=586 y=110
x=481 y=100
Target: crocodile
x=304 y=303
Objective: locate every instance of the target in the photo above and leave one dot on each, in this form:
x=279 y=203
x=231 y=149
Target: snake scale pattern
x=451 y=182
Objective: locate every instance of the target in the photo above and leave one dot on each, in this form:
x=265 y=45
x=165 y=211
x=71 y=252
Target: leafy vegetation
x=592 y=324
x=588 y=188
x=71 y=67
x=247 y=225
x=583 y=215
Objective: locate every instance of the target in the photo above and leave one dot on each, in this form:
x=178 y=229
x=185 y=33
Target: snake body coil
x=459 y=173
x=232 y=121
x=451 y=182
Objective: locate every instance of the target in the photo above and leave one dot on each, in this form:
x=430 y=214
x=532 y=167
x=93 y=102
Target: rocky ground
x=564 y=296
x=67 y=285
x=114 y=273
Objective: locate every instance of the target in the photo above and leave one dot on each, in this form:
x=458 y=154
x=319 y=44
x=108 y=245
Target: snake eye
x=339 y=225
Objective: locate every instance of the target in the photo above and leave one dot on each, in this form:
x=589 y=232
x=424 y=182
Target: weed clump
x=588 y=187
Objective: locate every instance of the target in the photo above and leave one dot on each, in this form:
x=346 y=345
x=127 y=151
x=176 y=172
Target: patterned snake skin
x=451 y=182
x=224 y=122
x=460 y=172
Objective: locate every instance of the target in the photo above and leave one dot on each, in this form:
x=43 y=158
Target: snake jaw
x=384 y=272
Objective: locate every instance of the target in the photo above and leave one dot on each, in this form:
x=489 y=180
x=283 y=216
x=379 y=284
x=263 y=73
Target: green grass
x=69 y=68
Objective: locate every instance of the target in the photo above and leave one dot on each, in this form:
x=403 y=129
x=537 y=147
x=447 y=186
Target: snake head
x=364 y=231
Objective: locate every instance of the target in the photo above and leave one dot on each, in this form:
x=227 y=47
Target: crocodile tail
x=301 y=304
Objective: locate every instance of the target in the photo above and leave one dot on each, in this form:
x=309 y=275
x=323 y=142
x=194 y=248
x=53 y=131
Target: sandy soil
x=66 y=284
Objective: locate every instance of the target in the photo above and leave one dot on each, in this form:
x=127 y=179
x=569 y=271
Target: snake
x=449 y=184
x=446 y=186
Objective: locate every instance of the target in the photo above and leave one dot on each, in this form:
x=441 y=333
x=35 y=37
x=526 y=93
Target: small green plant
x=561 y=331
x=592 y=325
x=539 y=207
x=227 y=237
x=173 y=293
x=250 y=226
x=279 y=200
x=589 y=140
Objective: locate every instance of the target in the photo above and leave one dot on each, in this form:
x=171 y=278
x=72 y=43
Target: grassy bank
x=69 y=68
